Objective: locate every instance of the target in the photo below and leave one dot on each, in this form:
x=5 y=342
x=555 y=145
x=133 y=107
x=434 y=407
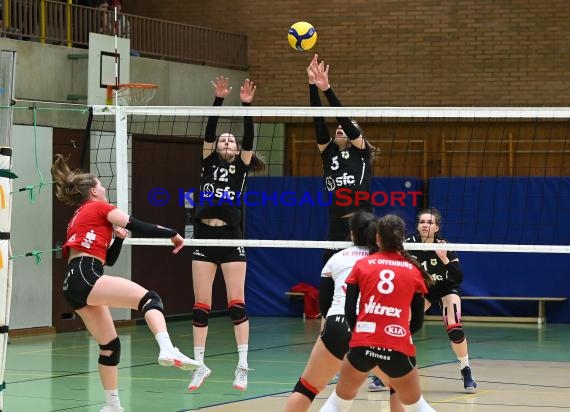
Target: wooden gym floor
x=518 y=368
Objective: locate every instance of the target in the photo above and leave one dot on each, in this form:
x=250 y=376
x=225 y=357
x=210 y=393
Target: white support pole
x=5 y=263
x=7 y=78
x=121 y=159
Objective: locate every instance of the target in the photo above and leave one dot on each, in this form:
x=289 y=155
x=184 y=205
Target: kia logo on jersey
x=395 y=330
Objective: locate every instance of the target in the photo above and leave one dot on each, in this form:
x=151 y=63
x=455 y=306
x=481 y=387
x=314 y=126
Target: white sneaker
x=198 y=377
x=109 y=408
x=240 y=381
x=376 y=385
x=176 y=358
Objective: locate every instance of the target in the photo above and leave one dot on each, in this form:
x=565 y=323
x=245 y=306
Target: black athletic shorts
x=336 y=335
x=82 y=273
x=393 y=363
x=435 y=294
x=218 y=254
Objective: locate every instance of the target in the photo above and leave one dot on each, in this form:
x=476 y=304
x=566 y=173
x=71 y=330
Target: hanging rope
x=36 y=254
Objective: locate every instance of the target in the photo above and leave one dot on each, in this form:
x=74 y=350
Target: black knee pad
x=306 y=389
x=113 y=359
x=151 y=301
x=200 y=315
x=237 y=312
x=455 y=333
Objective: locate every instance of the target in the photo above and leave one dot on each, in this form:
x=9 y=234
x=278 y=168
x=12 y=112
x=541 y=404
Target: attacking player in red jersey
x=91 y=293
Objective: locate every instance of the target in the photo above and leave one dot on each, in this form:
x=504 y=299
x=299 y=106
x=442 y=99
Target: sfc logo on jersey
x=208 y=190
x=330 y=184
x=433 y=262
x=345 y=154
x=232 y=169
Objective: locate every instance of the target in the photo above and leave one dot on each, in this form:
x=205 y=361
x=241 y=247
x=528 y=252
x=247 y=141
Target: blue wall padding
x=273 y=271
x=503 y=210
x=508 y=211
x=476 y=210
x=395 y=186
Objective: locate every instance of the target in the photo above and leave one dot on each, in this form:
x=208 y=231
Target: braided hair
x=392 y=232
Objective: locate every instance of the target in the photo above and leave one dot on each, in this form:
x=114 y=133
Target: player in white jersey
x=332 y=345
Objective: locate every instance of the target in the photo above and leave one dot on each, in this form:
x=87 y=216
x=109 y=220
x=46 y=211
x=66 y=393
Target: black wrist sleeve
x=247 y=143
x=349 y=128
x=352 y=292
x=454 y=272
x=321 y=130
x=114 y=251
x=314 y=97
x=334 y=101
x=212 y=124
x=417 y=309
x=143 y=229
x=326 y=293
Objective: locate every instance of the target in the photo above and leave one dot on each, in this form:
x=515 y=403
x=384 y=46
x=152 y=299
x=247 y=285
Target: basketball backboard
x=104 y=67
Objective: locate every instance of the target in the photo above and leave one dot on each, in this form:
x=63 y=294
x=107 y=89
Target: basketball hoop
x=131 y=94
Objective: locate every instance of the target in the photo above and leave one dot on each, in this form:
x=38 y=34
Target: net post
x=7 y=82
x=121 y=144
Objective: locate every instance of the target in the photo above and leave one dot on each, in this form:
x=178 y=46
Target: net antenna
x=131 y=94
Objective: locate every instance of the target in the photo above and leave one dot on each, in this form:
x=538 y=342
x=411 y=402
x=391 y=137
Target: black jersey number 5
x=335 y=165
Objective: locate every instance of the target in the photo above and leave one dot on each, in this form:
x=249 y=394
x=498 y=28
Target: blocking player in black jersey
x=225 y=167
x=347 y=158
x=446 y=272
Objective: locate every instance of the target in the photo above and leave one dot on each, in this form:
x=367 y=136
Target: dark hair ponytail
x=363 y=228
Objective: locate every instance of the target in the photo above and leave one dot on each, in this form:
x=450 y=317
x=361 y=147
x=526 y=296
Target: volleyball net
x=499 y=176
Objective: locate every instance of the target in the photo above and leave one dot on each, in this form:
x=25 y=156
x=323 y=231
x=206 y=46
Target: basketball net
x=131 y=94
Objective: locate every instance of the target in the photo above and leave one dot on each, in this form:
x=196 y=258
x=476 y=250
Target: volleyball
x=302 y=36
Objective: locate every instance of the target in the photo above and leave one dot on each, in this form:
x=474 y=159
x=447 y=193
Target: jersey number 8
x=385 y=285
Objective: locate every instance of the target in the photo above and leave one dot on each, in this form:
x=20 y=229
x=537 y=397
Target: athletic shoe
x=109 y=408
x=376 y=385
x=198 y=377
x=176 y=358
x=240 y=381
x=468 y=382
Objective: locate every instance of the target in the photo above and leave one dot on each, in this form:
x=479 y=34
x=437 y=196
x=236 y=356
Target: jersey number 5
x=335 y=165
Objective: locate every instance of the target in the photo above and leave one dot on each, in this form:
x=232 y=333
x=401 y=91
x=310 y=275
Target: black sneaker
x=468 y=382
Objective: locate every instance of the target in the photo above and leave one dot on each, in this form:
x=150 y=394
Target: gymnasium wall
x=399 y=53
x=31 y=229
